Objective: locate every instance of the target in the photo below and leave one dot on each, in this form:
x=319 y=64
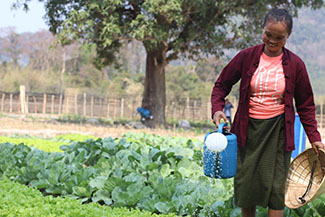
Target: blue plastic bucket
x=221 y=164
x=300 y=138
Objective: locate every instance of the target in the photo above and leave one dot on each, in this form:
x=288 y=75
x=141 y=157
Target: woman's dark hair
x=279 y=15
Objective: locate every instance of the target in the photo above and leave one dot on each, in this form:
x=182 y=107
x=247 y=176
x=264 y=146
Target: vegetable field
x=138 y=173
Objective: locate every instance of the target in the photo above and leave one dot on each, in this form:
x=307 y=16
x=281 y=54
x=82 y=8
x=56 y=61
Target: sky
x=31 y=21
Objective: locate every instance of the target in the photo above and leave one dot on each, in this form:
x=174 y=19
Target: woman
x=271 y=77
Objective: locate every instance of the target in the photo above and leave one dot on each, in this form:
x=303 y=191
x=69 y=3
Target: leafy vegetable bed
x=48 y=145
x=157 y=177
x=45 y=144
x=153 y=173
x=31 y=202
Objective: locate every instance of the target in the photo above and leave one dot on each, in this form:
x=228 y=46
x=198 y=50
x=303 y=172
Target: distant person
x=270 y=77
x=145 y=114
x=227 y=110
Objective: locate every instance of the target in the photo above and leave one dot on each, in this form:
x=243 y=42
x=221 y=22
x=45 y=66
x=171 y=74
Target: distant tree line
x=42 y=65
x=308 y=41
x=37 y=61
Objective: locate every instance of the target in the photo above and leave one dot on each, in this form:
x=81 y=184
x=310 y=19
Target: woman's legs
x=249 y=212
x=275 y=213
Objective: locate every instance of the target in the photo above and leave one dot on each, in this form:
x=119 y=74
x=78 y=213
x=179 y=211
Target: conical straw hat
x=299 y=181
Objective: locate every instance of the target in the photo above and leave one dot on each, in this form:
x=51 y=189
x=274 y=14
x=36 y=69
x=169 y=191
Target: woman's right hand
x=217 y=116
x=316 y=146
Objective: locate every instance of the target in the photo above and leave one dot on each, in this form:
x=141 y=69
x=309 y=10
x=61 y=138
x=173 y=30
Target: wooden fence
x=111 y=107
x=98 y=107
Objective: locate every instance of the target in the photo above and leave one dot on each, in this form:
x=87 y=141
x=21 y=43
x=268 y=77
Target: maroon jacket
x=298 y=87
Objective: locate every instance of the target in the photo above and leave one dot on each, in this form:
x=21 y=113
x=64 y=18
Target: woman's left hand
x=317 y=145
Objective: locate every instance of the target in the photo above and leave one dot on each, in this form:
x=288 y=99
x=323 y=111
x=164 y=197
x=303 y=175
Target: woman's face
x=275 y=35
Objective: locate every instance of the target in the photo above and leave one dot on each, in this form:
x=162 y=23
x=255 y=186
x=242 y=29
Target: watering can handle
x=220 y=127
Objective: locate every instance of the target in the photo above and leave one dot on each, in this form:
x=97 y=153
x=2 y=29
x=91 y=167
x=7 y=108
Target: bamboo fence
x=97 y=106
x=112 y=107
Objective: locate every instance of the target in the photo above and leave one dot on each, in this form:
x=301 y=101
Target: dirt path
x=44 y=127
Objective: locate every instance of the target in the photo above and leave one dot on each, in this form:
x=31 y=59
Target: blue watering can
x=220 y=160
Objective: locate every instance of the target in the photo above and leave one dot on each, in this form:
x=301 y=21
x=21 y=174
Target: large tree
x=168 y=29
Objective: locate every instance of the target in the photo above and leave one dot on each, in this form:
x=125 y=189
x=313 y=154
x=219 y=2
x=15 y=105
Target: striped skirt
x=263 y=165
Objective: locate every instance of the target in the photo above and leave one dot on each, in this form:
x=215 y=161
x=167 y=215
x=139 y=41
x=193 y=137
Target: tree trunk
x=154 y=96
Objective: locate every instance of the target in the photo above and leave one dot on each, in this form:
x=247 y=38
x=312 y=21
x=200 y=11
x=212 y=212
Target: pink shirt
x=266 y=88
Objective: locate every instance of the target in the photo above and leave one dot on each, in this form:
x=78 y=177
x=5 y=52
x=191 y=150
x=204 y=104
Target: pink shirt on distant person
x=266 y=88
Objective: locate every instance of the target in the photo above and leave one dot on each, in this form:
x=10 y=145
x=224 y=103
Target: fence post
x=133 y=108
x=114 y=111
x=92 y=107
x=27 y=103
x=66 y=100
x=35 y=104
x=10 y=103
x=122 y=107
x=3 y=101
x=22 y=94
x=60 y=104
x=107 y=114
x=85 y=104
x=194 y=109
x=44 y=103
x=18 y=105
x=187 y=109
x=52 y=105
x=173 y=108
x=76 y=104
x=100 y=106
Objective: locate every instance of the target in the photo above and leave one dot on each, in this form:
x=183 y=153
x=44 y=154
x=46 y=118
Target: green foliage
x=78 y=119
x=31 y=202
x=185 y=82
x=125 y=83
x=44 y=144
x=162 y=176
x=189 y=27
x=158 y=174
x=34 y=80
x=72 y=119
x=68 y=138
x=47 y=145
x=316 y=208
